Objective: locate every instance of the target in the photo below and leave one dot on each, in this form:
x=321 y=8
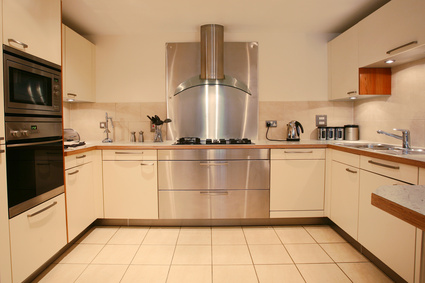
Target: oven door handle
x=32 y=143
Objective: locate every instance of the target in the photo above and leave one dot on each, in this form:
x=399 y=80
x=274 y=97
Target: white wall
x=131 y=68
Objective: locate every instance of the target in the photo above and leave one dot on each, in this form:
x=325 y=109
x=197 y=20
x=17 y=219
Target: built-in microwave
x=32 y=86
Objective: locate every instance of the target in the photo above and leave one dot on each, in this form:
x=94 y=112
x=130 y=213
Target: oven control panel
x=21 y=130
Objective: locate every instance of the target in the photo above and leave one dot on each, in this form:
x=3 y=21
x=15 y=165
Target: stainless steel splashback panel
x=212 y=111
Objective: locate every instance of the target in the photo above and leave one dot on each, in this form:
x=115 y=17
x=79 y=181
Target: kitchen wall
x=404 y=109
x=127 y=117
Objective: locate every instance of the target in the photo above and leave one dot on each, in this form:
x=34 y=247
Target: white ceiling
x=108 y=17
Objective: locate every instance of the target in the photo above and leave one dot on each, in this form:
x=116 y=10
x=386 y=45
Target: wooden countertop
x=406 y=202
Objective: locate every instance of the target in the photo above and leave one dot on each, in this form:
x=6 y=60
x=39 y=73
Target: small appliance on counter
x=351 y=132
x=71 y=138
x=294 y=128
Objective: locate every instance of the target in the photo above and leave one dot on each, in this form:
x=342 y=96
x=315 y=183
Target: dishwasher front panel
x=214 y=175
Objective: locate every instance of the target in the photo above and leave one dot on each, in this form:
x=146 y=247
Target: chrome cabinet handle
x=32 y=143
x=125 y=152
x=298 y=151
x=351 y=171
x=82 y=156
x=147 y=164
x=213 y=164
x=42 y=210
x=71 y=94
x=73 y=173
x=401 y=46
x=24 y=45
x=384 y=165
x=352 y=92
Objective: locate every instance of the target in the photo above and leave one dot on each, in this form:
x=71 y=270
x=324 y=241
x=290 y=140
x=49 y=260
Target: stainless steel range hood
x=212 y=62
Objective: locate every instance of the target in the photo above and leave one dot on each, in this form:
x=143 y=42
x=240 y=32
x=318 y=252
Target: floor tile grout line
x=293 y=261
x=140 y=245
x=250 y=254
x=174 y=252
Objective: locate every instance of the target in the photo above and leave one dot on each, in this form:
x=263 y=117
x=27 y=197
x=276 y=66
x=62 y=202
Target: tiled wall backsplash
x=404 y=109
x=127 y=117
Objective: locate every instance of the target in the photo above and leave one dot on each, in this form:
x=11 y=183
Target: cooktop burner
x=195 y=140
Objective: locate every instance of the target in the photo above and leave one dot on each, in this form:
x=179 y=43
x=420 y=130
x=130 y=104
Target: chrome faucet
x=405 y=137
x=107 y=131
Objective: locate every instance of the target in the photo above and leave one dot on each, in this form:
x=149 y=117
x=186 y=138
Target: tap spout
x=405 y=137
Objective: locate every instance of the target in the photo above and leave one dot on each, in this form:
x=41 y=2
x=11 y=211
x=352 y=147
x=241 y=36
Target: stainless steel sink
x=384 y=148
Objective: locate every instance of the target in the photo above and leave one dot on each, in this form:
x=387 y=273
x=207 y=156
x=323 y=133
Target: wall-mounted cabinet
x=397 y=27
x=78 y=67
x=33 y=26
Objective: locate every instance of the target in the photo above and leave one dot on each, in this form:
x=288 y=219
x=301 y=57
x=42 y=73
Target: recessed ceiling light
x=353 y=97
x=390 y=61
x=70 y=100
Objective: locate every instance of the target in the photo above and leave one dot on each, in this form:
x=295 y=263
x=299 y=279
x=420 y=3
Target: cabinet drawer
x=302 y=153
x=402 y=172
x=346 y=158
x=35 y=238
x=129 y=155
x=78 y=159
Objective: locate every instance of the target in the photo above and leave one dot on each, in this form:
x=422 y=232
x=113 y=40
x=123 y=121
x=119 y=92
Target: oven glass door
x=34 y=173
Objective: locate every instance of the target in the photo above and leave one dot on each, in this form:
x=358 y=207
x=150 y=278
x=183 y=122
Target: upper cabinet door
x=78 y=67
x=33 y=26
x=343 y=65
x=391 y=30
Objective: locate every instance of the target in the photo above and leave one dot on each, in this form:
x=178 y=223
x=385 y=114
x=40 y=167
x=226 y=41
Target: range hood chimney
x=212 y=49
x=212 y=62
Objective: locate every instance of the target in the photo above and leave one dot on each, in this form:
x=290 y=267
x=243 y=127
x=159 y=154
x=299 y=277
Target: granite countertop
x=406 y=202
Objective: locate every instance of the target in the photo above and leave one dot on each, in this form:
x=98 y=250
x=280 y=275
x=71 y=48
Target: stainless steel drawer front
x=214 y=204
x=214 y=183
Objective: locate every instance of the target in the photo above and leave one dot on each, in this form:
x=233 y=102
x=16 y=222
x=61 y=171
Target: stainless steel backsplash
x=212 y=111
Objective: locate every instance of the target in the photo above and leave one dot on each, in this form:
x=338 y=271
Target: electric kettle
x=294 y=130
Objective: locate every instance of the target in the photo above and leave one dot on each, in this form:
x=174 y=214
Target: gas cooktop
x=195 y=141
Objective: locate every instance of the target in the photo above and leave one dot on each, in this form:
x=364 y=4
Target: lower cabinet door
x=345 y=197
x=36 y=235
x=130 y=189
x=79 y=199
x=297 y=185
x=390 y=239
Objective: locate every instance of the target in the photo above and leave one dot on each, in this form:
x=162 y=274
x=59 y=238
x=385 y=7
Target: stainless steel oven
x=32 y=86
x=34 y=161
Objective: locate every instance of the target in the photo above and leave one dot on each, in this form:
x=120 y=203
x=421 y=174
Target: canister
x=351 y=132
x=330 y=133
x=339 y=133
x=321 y=133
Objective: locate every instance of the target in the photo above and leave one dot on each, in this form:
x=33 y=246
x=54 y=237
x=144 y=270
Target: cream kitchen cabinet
x=421 y=176
x=78 y=67
x=80 y=193
x=297 y=182
x=387 y=237
x=130 y=184
x=345 y=181
x=343 y=65
x=391 y=30
x=36 y=235
x=33 y=26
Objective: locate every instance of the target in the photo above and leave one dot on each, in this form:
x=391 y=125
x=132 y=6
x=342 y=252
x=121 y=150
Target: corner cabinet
x=130 y=184
x=291 y=193
x=33 y=26
x=36 y=235
x=78 y=67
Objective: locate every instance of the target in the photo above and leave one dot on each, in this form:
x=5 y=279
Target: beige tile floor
x=212 y=254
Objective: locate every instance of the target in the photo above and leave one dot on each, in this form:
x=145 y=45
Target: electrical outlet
x=271 y=123
x=152 y=127
x=321 y=120
x=102 y=125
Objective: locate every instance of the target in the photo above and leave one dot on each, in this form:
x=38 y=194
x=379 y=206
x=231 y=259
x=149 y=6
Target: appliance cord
x=267 y=137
